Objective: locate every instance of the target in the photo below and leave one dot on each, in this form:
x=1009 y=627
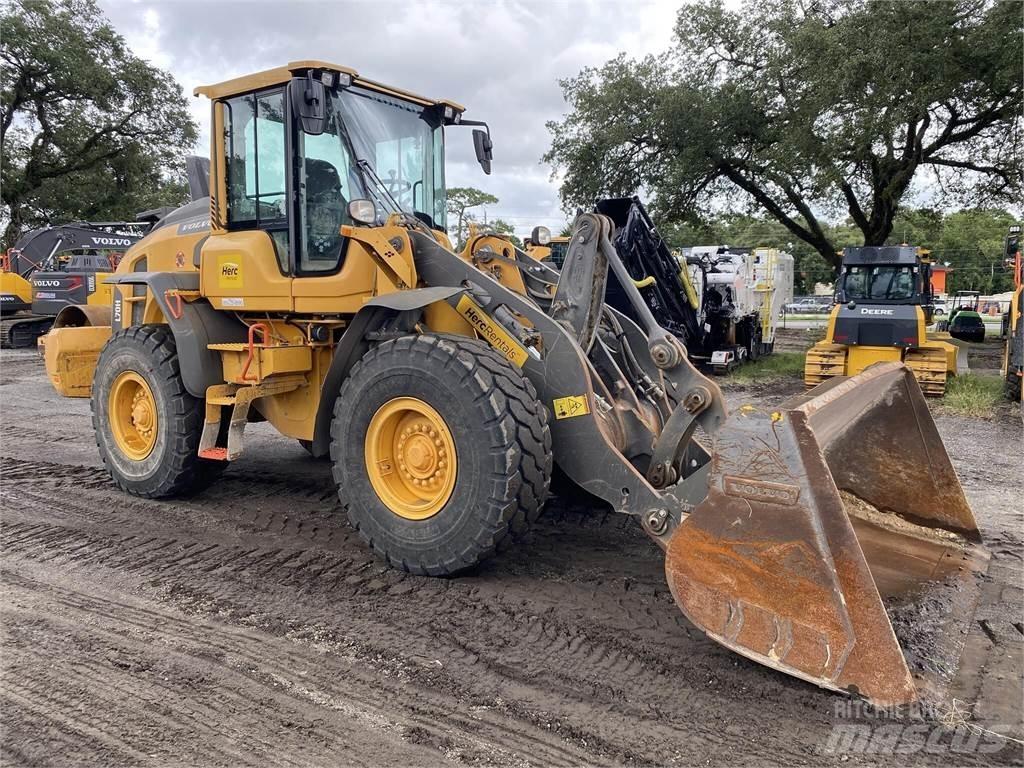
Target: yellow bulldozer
x=884 y=304
x=316 y=289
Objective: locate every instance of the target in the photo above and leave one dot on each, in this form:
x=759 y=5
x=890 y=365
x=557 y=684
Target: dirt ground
x=250 y=625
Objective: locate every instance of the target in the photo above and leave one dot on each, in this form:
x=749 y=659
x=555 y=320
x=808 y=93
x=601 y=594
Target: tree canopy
x=87 y=129
x=460 y=201
x=970 y=242
x=502 y=227
x=809 y=111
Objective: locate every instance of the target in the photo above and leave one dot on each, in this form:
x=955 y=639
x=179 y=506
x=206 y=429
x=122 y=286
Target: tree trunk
x=14 y=227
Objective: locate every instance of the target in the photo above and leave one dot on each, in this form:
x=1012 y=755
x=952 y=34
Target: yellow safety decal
x=229 y=272
x=492 y=333
x=574 y=405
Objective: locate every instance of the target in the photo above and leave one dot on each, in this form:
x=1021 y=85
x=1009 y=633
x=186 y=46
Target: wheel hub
x=132 y=415
x=410 y=458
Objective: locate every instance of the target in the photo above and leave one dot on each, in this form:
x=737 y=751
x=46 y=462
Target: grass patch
x=775 y=367
x=973 y=395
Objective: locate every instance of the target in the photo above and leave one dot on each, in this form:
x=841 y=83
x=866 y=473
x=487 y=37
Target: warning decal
x=574 y=405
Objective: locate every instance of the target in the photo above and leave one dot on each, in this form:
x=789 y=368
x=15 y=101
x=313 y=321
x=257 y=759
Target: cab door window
x=257 y=166
x=327 y=182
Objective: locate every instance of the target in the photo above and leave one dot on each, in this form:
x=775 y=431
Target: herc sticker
x=229 y=272
x=574 y=405
x=492 y=333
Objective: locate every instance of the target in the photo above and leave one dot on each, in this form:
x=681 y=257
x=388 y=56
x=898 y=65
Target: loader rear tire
x=161 y=458
x=484 y=409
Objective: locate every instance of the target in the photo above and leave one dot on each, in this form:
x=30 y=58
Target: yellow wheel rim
x=410 y=458
x=131 y=410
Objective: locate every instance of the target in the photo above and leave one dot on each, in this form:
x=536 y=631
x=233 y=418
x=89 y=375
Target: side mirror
x=540 y=236
x=483 y=146
x=362 y=211
x=309 y=104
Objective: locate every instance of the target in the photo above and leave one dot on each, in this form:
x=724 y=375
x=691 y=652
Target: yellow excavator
x=883 y=308
x=50 y=268
x=316 y=289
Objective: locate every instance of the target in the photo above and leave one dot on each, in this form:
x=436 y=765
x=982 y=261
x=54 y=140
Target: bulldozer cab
x=884 y=275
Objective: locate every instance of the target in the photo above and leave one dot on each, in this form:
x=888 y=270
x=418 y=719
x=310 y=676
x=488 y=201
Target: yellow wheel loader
x=543 y=246
x=316 y=289
x=884 y=306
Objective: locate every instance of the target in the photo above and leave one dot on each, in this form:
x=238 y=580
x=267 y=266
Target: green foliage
x=776 y=367
x=504 y=228
x=972 y=395
x=969 y=241
x=460 y=201
x=806 y=111
x=89 y=130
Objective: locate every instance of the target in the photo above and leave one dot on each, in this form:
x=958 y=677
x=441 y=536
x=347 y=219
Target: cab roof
x=880 y=255
x=280 y=75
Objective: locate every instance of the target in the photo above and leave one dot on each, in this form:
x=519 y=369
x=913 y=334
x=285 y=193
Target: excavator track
x=824 y=361
x=21 y=332
x=929 y=367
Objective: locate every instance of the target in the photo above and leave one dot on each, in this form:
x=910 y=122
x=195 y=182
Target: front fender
x=373 y=316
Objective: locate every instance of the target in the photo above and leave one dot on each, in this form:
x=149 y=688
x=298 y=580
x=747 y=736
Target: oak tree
x=88 y=130
x=810 y=110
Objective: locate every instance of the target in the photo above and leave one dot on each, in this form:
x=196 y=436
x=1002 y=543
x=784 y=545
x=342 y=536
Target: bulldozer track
x=824 y=361
x=929 y=367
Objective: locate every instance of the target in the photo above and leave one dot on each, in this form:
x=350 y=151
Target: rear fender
x=195 y=325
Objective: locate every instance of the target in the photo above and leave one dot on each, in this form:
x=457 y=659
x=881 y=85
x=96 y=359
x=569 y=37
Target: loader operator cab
x=296 y=153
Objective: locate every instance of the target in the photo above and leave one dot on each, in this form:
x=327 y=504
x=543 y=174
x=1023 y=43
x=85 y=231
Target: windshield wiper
x=371 y=181
x=369 y=173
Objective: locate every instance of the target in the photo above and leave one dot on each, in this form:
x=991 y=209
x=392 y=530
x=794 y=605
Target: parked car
x=939 y=308
x=809 y=305
x=967 y=326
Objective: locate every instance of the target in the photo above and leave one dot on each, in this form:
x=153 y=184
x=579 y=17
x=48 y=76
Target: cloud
x=502 y=60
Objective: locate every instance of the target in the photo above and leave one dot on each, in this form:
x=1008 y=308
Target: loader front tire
x=147 y=424
x=441 y=452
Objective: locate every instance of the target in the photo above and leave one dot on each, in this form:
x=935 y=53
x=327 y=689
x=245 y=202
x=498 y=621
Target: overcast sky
x=502 y=60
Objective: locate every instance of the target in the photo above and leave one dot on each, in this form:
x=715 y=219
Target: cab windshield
x=404 y=144
x=880 y=283
x=558 y=250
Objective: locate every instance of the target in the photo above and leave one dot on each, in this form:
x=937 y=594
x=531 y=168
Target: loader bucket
x=835 y=543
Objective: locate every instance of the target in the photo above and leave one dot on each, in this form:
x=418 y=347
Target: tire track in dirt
x=567 y=649
x=565 y=676
x=245 y=660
